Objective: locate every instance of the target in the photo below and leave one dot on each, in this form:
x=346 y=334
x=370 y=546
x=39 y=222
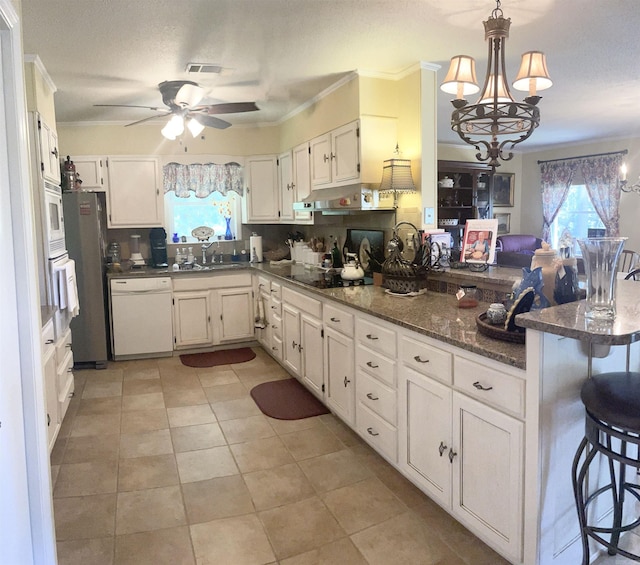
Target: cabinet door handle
x=346 y=381
x=325 y=157
x=442 y=448
x=480 y=387
x=332 y=155
x=452 y=455
x=48 y=420
x=372 y=337
x=294 y=344
x=55 y=152
x=371 y=397
x=370 y=364
x=48 y=342
x=300 y=348
x=420 y=360
x=371 y=432
x=336 y=320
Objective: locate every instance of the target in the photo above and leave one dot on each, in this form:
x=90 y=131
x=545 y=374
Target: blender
x=136 y=257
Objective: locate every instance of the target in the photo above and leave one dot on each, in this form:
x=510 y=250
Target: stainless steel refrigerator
x=85 y=230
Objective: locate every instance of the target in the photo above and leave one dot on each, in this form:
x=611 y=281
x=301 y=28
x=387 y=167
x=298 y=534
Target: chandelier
x=496 y=123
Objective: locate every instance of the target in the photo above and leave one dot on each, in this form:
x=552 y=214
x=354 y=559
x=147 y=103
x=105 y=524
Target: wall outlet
x=429 y=215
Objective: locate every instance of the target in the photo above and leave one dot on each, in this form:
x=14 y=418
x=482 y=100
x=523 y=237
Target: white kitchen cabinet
x=50 y=383
x=90 y=169
x=302 y=181
x=335 y=157
x=49 y=156
x=212 y=310
x=463 y=452
x=262 y=198
x=192 y=319
x=302 y=339
x=235 y=308
x=286 y=187
x=488 y=473
x=135 y=192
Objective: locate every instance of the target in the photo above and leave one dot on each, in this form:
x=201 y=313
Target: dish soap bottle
x=336 y=256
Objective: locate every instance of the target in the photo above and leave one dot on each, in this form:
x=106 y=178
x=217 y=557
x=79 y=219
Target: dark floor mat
x=213 y=358
x=287 y=400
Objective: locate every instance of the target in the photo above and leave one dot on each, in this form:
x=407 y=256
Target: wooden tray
x=497 y=332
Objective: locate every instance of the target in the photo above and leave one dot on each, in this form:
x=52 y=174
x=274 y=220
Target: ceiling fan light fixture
x=189 y=95
x=195 y=127
x=174 y=127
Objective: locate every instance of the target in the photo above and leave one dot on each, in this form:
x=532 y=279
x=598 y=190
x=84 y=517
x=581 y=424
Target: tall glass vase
x=600 y=256
x=227 y=234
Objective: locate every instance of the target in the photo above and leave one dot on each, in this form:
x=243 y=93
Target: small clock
x=202 y=233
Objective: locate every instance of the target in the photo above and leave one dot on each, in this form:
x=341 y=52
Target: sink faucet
x=206 y=246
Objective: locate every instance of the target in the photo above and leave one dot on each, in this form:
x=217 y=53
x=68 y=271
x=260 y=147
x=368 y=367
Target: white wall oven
x=54 y=221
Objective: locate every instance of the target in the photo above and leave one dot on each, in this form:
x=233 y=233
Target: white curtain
x=202 y=179
x=601 y=177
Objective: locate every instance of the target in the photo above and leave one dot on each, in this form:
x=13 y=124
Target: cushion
x=519 y=242
x=614 y=398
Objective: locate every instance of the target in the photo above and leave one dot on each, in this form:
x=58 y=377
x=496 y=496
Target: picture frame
x=503 y=189
x=504 y=222
x=479 y=242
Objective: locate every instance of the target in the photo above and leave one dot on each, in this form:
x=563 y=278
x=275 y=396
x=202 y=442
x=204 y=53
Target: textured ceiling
x=281 y=53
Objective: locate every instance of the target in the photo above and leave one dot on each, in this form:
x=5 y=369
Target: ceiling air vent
x=204 y=68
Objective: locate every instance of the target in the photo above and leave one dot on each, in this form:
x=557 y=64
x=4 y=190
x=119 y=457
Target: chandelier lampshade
x=496 y=123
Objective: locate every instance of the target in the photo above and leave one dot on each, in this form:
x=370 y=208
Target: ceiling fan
x=182 y=98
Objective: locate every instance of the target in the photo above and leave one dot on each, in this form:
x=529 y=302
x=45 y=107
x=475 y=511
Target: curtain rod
x=623 y=152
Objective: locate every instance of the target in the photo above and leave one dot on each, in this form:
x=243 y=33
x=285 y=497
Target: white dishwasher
x=141 y=317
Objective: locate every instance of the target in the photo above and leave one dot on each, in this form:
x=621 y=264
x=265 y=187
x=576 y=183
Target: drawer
x=48 y=335
x=378 y=397
x=264 y=284
x=382 y=436
x=65 y=377
x=302 y=302
x=372 y=334
x=276 y=290
x=338 y=319
x=63 y=345
x=211 y=281
x=276 y=347
x=275 y=307
x=490 y=386
x=376 y=364
x=276 y=326
x=426 y=359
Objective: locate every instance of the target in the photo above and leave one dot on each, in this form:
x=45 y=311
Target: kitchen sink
x=214 y=267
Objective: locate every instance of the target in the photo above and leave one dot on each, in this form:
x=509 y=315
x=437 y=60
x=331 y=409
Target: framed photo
x=503 y=189
x=504 y=222
x=479 y=243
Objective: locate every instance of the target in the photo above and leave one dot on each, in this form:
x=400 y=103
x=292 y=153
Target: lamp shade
x=533 y=74
x=396 y=176
x=503 y=91
x=174 y=127
x=195 y=127
x=461 y=78
x=189 y=95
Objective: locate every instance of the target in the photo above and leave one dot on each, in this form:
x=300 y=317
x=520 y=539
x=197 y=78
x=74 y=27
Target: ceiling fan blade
x=154 y=108
x=228 y=108
x=147 y=119
x=210 y=121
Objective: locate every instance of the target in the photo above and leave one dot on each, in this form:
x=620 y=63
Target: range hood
x=344 y=200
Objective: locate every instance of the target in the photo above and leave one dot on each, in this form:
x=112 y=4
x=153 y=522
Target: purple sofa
x=516 y=250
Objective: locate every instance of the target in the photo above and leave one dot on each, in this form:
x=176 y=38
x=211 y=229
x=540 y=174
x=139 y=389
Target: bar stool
x=612 y=428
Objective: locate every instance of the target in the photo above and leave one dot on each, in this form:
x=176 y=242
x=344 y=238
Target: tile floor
x=158 y=463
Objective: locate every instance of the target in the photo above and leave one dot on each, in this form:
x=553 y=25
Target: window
x=577 y=215
x=182 y=215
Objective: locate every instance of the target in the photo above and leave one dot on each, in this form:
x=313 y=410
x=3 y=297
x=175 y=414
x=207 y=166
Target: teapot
x=352 y=270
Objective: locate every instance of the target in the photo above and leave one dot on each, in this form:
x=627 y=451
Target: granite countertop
x=432 y=314
x=569 y=320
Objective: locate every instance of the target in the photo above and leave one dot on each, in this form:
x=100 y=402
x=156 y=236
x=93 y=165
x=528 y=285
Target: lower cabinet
x=50 y=374
x=339 y=375
x=212 y=310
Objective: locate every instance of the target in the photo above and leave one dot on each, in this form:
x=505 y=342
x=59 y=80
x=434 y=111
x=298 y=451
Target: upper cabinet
x=49 y=158
x=335 y=157
x=90 y=169
x=261 y=190
x=134 y=196
x=286 y=186
x=302 y=180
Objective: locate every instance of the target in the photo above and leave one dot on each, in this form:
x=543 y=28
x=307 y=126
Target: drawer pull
x=68 y=345
x=371 y=397
x=49 y=341
x=442 y=448
x=273 y=290
x=452 y=455
x=346 y=381
x=274 y=348
x=336 y=320
x=370 y=364
x=419 y=359
x=371 y=432
x=372 y=337
x=274 y=326
x=274 y=307
x=480 y=387
x=48 y=419
x=294 y=345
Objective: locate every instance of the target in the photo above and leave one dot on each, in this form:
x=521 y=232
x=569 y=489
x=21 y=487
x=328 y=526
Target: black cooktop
x=328 y=280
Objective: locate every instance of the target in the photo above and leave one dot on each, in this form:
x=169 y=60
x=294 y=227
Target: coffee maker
x=158 y=244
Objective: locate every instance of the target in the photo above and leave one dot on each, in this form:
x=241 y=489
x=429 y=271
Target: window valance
x=202 y=179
